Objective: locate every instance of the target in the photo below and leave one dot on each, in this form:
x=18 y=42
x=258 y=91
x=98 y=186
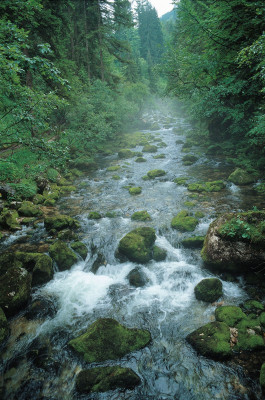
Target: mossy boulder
x=113 y=168
x=138 y=244
x=159 y=156
x=84 y=163
x=140 y=160
x=137 y=278
x=135 y=190
x=9 y=219
x=156 y=173
x=106 y=339
x=149 y=148
x=181 y=181
x=184 y=222
x=213 y=186
x=195 y=242
x=3 y=326
x=212 y=340
x=60 y=222
x=28 y=209
x=253 y=306
x=94 y=215
x=49 y=203
x=103 y=379
x=38 y=199
x=125 y=153
x=116 y=177
x=15 y=288
x=231 y=315
x=40 y=265
x=235 y=242
x=141 y=216
x=262 y=377
x=209 y=290
x=64 y=257
x=80 y=248
x=159 y=254
x=190 y=159
x=241 y=177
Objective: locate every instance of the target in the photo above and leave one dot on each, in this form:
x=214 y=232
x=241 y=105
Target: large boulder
x=209 y=290
x=137 y=278
x=138 y=244
x=103 y=379
x=28 y=209
x=15 y=288
x=241 y=177
x=9 y=219
x=3 y=326
x=106 y=339
x=80 y=248
x=60 y=222
x=235 y=242
x=64 y=257
x=40 y=265
x=212 y=340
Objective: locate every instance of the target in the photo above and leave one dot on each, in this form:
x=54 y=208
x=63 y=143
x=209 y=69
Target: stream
x=169 y=367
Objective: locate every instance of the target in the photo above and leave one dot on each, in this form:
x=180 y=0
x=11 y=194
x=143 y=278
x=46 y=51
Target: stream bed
x=37 y=362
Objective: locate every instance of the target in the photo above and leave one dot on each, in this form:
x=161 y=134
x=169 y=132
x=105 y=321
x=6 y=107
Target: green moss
x=67 y=189
x=26 y=189
x=40 y=265
x=161 y=144
x=28 y=209
x=140 y=160
x=137 y=245
x=149 y=148
x=113 y=168
x=3 y=326
x=262 y=320
x=214 y=186
x=262 y=377
x=84 y=163
x=103 y=379
x=241 y=177
x=156 y=173
x=248 y=340
x=49 y=203
x=116 y=177
x=9 y=219
x=231 y=315
x=125 y=153
x=209 y=290
x=80 y=248
x=159 y=156
x=159 y=254
x=199 y=214
x=195 y=242
x=141 y=216
x=52 y=174
x=111 y=214
x=137 y=278
x=183 y=222
x=190 y=159
x=212 y=340
x=106 y=339
x=181 y=181
x=145 y=178
x=189 y=203
x=62 y=255
x=60 y=222
x=253 y=306
x=38 y=199
x=135 y=190
x=94 y=215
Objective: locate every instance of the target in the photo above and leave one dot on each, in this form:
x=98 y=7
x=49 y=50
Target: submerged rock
x=236 y=242
x=184 y=222
x=212 y=340
x=3 y=326
x=149 y=148
x=137 y=278
x=209 y=290
x=106 y=339
x=140 y=160
x=241 y=177
x=103 y=379
x=195 y=242
x=64 y=257
x=94 y=215
x=138 y=244
x=80 y=249
x=15 y=288
x=60 y=222
x=159 y=254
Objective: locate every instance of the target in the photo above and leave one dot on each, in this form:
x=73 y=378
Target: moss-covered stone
x=212 y=340
x=262 y=377
x=60 y=222
x=137 y=278
x=9 y=219
x=249 y=335
x=64 y=257
x=84 y=163
x=184 y=222
x=3 y=326
x=155 y=173
x=137 y=245
x=106 y=339
x=94 y=215
x=195 y=242
x=209 y=290
x=116 y=177
x=159 y=156
x=28 y=209
x=213 y=186
x=231 y=315
x=159 y=254
x=103 y=379
x=149 y=148
x=199 y=214
x=67 y=189
x=38 y=199
x=140 y=160
x=113 y=168
x=80 y=248
x=262 y=321
x=125 y=153
x=190 y=158
x=241 y=177
x=49 y=203
x=15 y=287
x=141 y=216
x=253 y=306
x=40 y=265
x=181 y=181
x=67 y=234
x=135 y=190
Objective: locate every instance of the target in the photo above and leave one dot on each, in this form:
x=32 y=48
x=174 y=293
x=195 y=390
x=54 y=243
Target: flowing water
x=38 y=364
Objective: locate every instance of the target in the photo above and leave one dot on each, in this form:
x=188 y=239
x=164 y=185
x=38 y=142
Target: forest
x=132 y=214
